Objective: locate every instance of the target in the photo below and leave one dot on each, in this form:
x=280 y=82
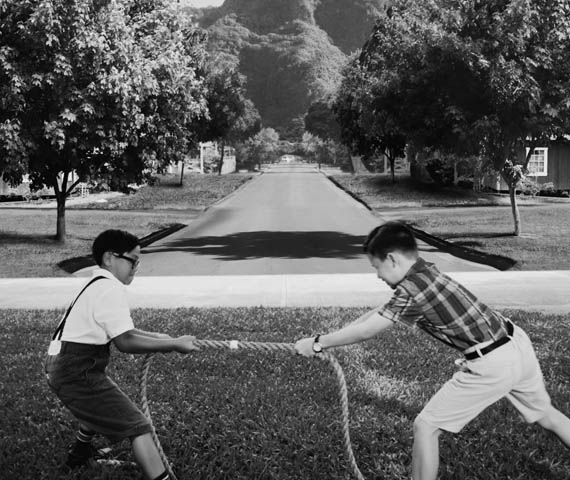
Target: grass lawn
x=378 y=191
x=543 y=245
x=246 y=414
x=197 y=192
x=28 y=248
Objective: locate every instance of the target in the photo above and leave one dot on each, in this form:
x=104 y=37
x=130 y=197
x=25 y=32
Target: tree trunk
x=182 y=174
x=349 y=153
x=455 y=173
x=515 y=208
x=60 y=229
x=392 y=161
x=61 y=193
x=221 y=158
x=477 y=177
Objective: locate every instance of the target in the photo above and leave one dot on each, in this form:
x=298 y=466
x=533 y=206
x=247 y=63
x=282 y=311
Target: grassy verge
x=28 y=247
x=198 y=191
x=245 y=414
x=543 y=246
x=378 y=191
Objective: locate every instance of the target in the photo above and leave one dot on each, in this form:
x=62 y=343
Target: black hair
x=118 y=241
x=388 y=237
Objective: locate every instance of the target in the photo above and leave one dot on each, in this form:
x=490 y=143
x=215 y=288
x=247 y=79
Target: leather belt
x=489 y=348
x=74 y=348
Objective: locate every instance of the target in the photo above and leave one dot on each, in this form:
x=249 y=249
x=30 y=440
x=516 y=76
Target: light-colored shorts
x=510 y=371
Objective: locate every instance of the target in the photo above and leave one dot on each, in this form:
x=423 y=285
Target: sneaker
x=74 y=460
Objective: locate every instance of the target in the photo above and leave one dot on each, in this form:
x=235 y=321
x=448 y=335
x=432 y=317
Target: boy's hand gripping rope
x=268 y=347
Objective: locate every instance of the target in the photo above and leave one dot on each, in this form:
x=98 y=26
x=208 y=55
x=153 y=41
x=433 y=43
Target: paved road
x=289 y=220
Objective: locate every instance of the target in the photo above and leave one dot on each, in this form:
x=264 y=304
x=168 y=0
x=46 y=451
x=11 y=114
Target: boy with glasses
x=80 y=349
x=499 y=359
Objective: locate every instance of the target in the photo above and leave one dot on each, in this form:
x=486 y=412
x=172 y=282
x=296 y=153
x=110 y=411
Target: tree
x=476 y=79
x=174 y=50
x=322 y=122
x=232 y=117
x=367 y=117
x=77 y=79
x=324 y=151
x=245 y=126
x=263 y=146
x=521 y=50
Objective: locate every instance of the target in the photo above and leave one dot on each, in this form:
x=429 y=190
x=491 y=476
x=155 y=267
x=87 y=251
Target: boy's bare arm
x=151 y=334
x=363 y=328
x=366 y=315
x=135 y=342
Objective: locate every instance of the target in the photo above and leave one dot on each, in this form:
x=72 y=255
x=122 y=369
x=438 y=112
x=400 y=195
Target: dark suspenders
x=59 y=329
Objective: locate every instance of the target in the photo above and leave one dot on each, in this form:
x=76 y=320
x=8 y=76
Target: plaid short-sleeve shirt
x=437 y=304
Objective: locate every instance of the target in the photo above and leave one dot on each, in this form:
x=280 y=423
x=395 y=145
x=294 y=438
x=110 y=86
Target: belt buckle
x=478 y=352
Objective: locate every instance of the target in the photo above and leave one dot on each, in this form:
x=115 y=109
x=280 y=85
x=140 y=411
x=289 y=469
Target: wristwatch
x=317 y=347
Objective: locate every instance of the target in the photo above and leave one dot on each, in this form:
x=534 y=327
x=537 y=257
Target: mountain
x=291 y=51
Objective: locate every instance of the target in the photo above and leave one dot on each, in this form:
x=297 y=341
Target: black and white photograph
x=285 y=239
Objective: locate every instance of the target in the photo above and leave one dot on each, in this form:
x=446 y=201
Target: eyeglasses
x=135 y=262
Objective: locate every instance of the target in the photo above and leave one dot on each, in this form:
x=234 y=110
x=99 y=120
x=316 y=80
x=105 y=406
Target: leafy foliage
x=262 y=147
x=232 y=117
x=321 y=121
x=477 y=79
x=94 y=88
x=326 y=152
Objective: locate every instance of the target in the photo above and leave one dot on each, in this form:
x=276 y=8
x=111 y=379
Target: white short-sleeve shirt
x=101 y=313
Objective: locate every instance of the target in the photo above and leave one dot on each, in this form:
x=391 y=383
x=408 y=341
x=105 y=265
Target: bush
x=528 y=187
x=440 y=172
x=548 y=190
x=12 y=197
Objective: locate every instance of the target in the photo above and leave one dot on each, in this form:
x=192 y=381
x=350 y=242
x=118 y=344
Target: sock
x=163 y=476
x=82 y=446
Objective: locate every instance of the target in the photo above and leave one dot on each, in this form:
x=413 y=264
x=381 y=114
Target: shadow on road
x=264 y=244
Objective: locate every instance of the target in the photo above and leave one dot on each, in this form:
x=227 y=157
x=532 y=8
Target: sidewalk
x=546 y=291
x=70 y=202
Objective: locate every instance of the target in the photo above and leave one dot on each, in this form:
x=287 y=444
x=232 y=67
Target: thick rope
x=268 y=347
x=143 y=400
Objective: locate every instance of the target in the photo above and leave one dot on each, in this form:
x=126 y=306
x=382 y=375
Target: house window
x=538 y=162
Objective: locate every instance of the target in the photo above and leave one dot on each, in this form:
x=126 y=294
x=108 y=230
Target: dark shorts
x=77 y=376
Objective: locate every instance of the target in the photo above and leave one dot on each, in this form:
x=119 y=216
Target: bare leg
x=557 y=423
x=425 y=455
x=147 y=456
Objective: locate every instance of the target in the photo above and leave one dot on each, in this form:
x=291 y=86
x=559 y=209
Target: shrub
x=528 y=186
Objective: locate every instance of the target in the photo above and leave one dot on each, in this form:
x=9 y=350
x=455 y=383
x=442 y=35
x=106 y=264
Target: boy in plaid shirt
x=499 y=359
